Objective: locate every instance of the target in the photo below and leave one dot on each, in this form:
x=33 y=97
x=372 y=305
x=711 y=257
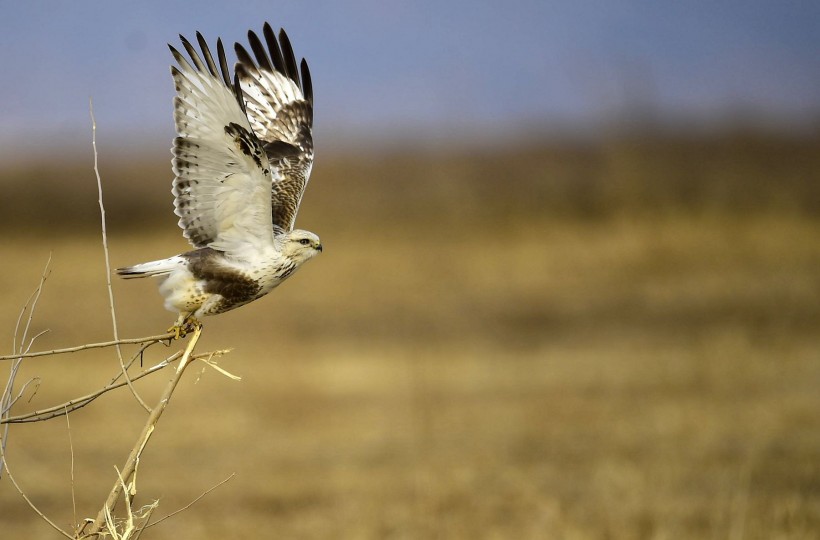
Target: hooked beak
x=319 y=248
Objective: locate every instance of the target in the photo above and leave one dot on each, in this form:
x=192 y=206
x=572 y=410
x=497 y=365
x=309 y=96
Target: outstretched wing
x=223 y=177
x=279 y=103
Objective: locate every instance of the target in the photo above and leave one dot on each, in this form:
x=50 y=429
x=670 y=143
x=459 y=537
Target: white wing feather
x=223 y=177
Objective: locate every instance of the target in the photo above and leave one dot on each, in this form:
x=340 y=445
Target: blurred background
x=569 y=289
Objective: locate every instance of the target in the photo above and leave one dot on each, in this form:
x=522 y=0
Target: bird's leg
x=178 y=328
x=184 y=324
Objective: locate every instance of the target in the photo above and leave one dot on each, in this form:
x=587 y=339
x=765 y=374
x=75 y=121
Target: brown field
x=622 y=343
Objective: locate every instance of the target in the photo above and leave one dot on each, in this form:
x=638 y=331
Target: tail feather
x=148 y=269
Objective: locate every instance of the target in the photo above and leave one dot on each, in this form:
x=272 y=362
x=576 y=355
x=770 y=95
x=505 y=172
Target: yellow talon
x=178 y=331
x=183 y=326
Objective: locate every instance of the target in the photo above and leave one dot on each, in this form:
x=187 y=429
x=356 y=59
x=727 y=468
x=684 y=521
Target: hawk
x=242 y=158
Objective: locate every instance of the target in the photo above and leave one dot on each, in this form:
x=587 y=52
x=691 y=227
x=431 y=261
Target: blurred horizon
x=422 y=74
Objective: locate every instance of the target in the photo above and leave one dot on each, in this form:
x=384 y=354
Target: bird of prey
x=242 y=158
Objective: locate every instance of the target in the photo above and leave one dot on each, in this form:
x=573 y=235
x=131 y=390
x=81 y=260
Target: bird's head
x=301 y=246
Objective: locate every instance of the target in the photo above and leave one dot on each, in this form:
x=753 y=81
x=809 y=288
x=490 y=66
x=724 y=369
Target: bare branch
x=6 y=399
x=21 y=392
x=131 y=463
x=71 y=449
x=107 y=258
x=32 y=299
x=101 y=345
x=77 y=403
x=190 y=504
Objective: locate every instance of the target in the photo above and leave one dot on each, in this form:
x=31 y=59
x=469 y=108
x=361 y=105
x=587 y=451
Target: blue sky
x=415 y=70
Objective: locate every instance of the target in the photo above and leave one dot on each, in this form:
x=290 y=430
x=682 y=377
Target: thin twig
x=37 y=293
x=32 y=299
x=6 y=399
x=71 y=449
x=34 y=338
x=147 y=514
x=190 y=504
x=107 y=258
x=129 y=341
x=21 y=393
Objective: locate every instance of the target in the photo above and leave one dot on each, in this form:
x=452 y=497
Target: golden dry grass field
x=618 y=342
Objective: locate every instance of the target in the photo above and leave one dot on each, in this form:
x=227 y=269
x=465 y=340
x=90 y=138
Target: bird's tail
x=153 y=268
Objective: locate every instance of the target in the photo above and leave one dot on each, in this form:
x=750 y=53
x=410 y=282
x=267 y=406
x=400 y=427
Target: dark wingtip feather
x=275 y=51
x=259 y=51
x=192 y=53
x=290 y=60
x=266 y=29
x=278 y=57
x=237 y=89
x=243 y=57
x=307 y=82
x=179 y=58
x=223 y=63
x=206 y=52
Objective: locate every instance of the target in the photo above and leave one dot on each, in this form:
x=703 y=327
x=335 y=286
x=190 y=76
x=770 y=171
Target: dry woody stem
x=131 y=464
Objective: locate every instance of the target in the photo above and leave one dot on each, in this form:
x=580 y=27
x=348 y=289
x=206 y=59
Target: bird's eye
x=304 y=241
